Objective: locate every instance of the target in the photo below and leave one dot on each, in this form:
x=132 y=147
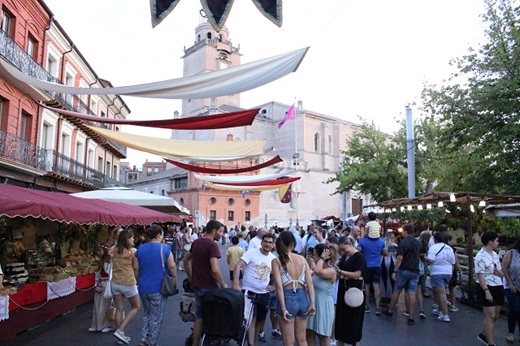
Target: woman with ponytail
x=294 y=290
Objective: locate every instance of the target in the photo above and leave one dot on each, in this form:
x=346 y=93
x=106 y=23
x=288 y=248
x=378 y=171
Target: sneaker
x=510 y=338
x=435 y=306
x=453 y=308
x=405 y=313
x=444 y=318
x=378 y=312
x=276 y=334
x=422 y=315
x=411 y=321
x=261 y=337
x=367 y=309
x=121 y=336
x=107 y=329
x=92 y=329
x=436 y=312
x=482 y=338
x=387 y=312
x=333 y=343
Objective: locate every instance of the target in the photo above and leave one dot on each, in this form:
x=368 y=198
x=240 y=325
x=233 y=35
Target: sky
x=366 y=58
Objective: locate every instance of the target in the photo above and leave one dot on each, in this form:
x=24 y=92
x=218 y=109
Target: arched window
x=317 y=143
x=208 y=35
x=330 y=145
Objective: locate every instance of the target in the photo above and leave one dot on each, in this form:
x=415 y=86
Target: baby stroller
x=223 y=318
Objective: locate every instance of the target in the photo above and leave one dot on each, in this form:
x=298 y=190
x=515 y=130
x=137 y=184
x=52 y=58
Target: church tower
x=212 y=51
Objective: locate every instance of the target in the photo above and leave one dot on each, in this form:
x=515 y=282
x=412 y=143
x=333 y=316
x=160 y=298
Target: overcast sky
x=367 y=58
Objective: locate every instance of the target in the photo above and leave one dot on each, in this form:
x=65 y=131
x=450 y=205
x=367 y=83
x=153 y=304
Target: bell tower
x=211 y=51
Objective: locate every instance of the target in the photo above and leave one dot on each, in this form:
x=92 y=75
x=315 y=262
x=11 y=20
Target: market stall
x=48 y=246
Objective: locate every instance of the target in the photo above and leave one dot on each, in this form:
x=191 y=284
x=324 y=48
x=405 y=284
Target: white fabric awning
x=244 y=178
x=212 y=84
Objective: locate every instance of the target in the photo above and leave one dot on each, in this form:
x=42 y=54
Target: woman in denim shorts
x=294 y=290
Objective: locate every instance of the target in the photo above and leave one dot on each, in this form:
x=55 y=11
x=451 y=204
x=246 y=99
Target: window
x=32 y=47
x=317 y=146
x=90 y=158
x=156 y=170
x=163 y=193
x=181 y=183
x=52 y=65
x=248 y=216
x=212 y=200
x=330 y=145
x=79 y=152
x=181 y=201
x=107 y=170
x=4 y=107
x=25 y=127
x=231 y=201
x=149 y=170
x=100 y=164
x=230 y=215
x=114 y=172
x=248 y=202
x=7 y=22
x=212 y=214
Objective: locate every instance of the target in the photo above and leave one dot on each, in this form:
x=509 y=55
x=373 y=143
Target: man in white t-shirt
x=256 y=266
x=299 y=243
x=256 y=242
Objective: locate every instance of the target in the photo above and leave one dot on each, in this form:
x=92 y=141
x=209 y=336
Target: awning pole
x=470 y=247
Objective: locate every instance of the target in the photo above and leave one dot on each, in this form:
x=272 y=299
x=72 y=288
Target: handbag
x=107 y=291
x=353 y=296
x=111 y=311
x=169 y=284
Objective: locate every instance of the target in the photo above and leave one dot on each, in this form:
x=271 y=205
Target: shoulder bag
x=107 y=292
x=353 y=296
x=169 y=284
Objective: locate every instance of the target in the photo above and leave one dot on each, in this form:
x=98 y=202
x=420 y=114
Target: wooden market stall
x=48 y=265
x=468 y=200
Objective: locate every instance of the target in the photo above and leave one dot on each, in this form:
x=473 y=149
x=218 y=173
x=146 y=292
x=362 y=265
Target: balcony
x=25 y=63
x=15 y=149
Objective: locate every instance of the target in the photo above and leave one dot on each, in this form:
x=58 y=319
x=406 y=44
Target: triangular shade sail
x=244 y=178
x=205 y=122
x=229 y=81
x=207 y=170
x=190 y=150
x=133 y=197
x=56 y=206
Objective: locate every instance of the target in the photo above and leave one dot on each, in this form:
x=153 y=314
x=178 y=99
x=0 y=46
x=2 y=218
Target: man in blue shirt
x=373 y=246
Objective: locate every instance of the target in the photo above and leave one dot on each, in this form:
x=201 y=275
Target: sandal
x=144 y=343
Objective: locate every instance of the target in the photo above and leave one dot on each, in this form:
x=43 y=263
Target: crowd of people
x=299 y=278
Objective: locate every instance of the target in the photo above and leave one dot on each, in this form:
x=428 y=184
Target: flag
x=285 y=193
x=288 y=115
x=245 y=193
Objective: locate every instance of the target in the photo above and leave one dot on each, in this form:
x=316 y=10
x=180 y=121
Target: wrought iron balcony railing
x=25 y=63
x=13 y=148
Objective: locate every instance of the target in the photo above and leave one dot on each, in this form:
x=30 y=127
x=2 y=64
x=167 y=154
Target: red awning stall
x=47 y=260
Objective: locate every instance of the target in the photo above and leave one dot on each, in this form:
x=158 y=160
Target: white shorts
x=127 y=291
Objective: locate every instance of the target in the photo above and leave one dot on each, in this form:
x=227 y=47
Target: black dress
x=348 y=326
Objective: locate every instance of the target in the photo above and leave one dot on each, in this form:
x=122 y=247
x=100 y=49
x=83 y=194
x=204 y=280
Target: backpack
x=187 y=307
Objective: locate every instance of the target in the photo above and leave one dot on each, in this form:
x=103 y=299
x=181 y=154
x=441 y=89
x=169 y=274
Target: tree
x=480 y=117
x=374 y=164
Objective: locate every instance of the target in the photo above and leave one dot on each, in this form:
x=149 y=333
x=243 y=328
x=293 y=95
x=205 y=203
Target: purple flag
x=288 y=115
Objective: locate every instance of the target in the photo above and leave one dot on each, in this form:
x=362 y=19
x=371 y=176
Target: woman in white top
x=441 y=259
x=490 y=291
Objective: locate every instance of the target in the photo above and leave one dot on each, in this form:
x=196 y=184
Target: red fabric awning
x=206 y=170
x=61 y=207
x=204 y=122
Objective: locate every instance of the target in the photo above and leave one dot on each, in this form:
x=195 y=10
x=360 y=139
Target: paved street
x=71 y=328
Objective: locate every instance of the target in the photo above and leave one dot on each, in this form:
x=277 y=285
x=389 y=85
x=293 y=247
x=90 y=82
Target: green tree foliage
x=374 y=164
x=479 y=117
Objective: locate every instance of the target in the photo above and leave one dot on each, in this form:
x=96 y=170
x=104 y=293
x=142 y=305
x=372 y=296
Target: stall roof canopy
x=56 y=206
x=133 y=197
x=446 y=197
